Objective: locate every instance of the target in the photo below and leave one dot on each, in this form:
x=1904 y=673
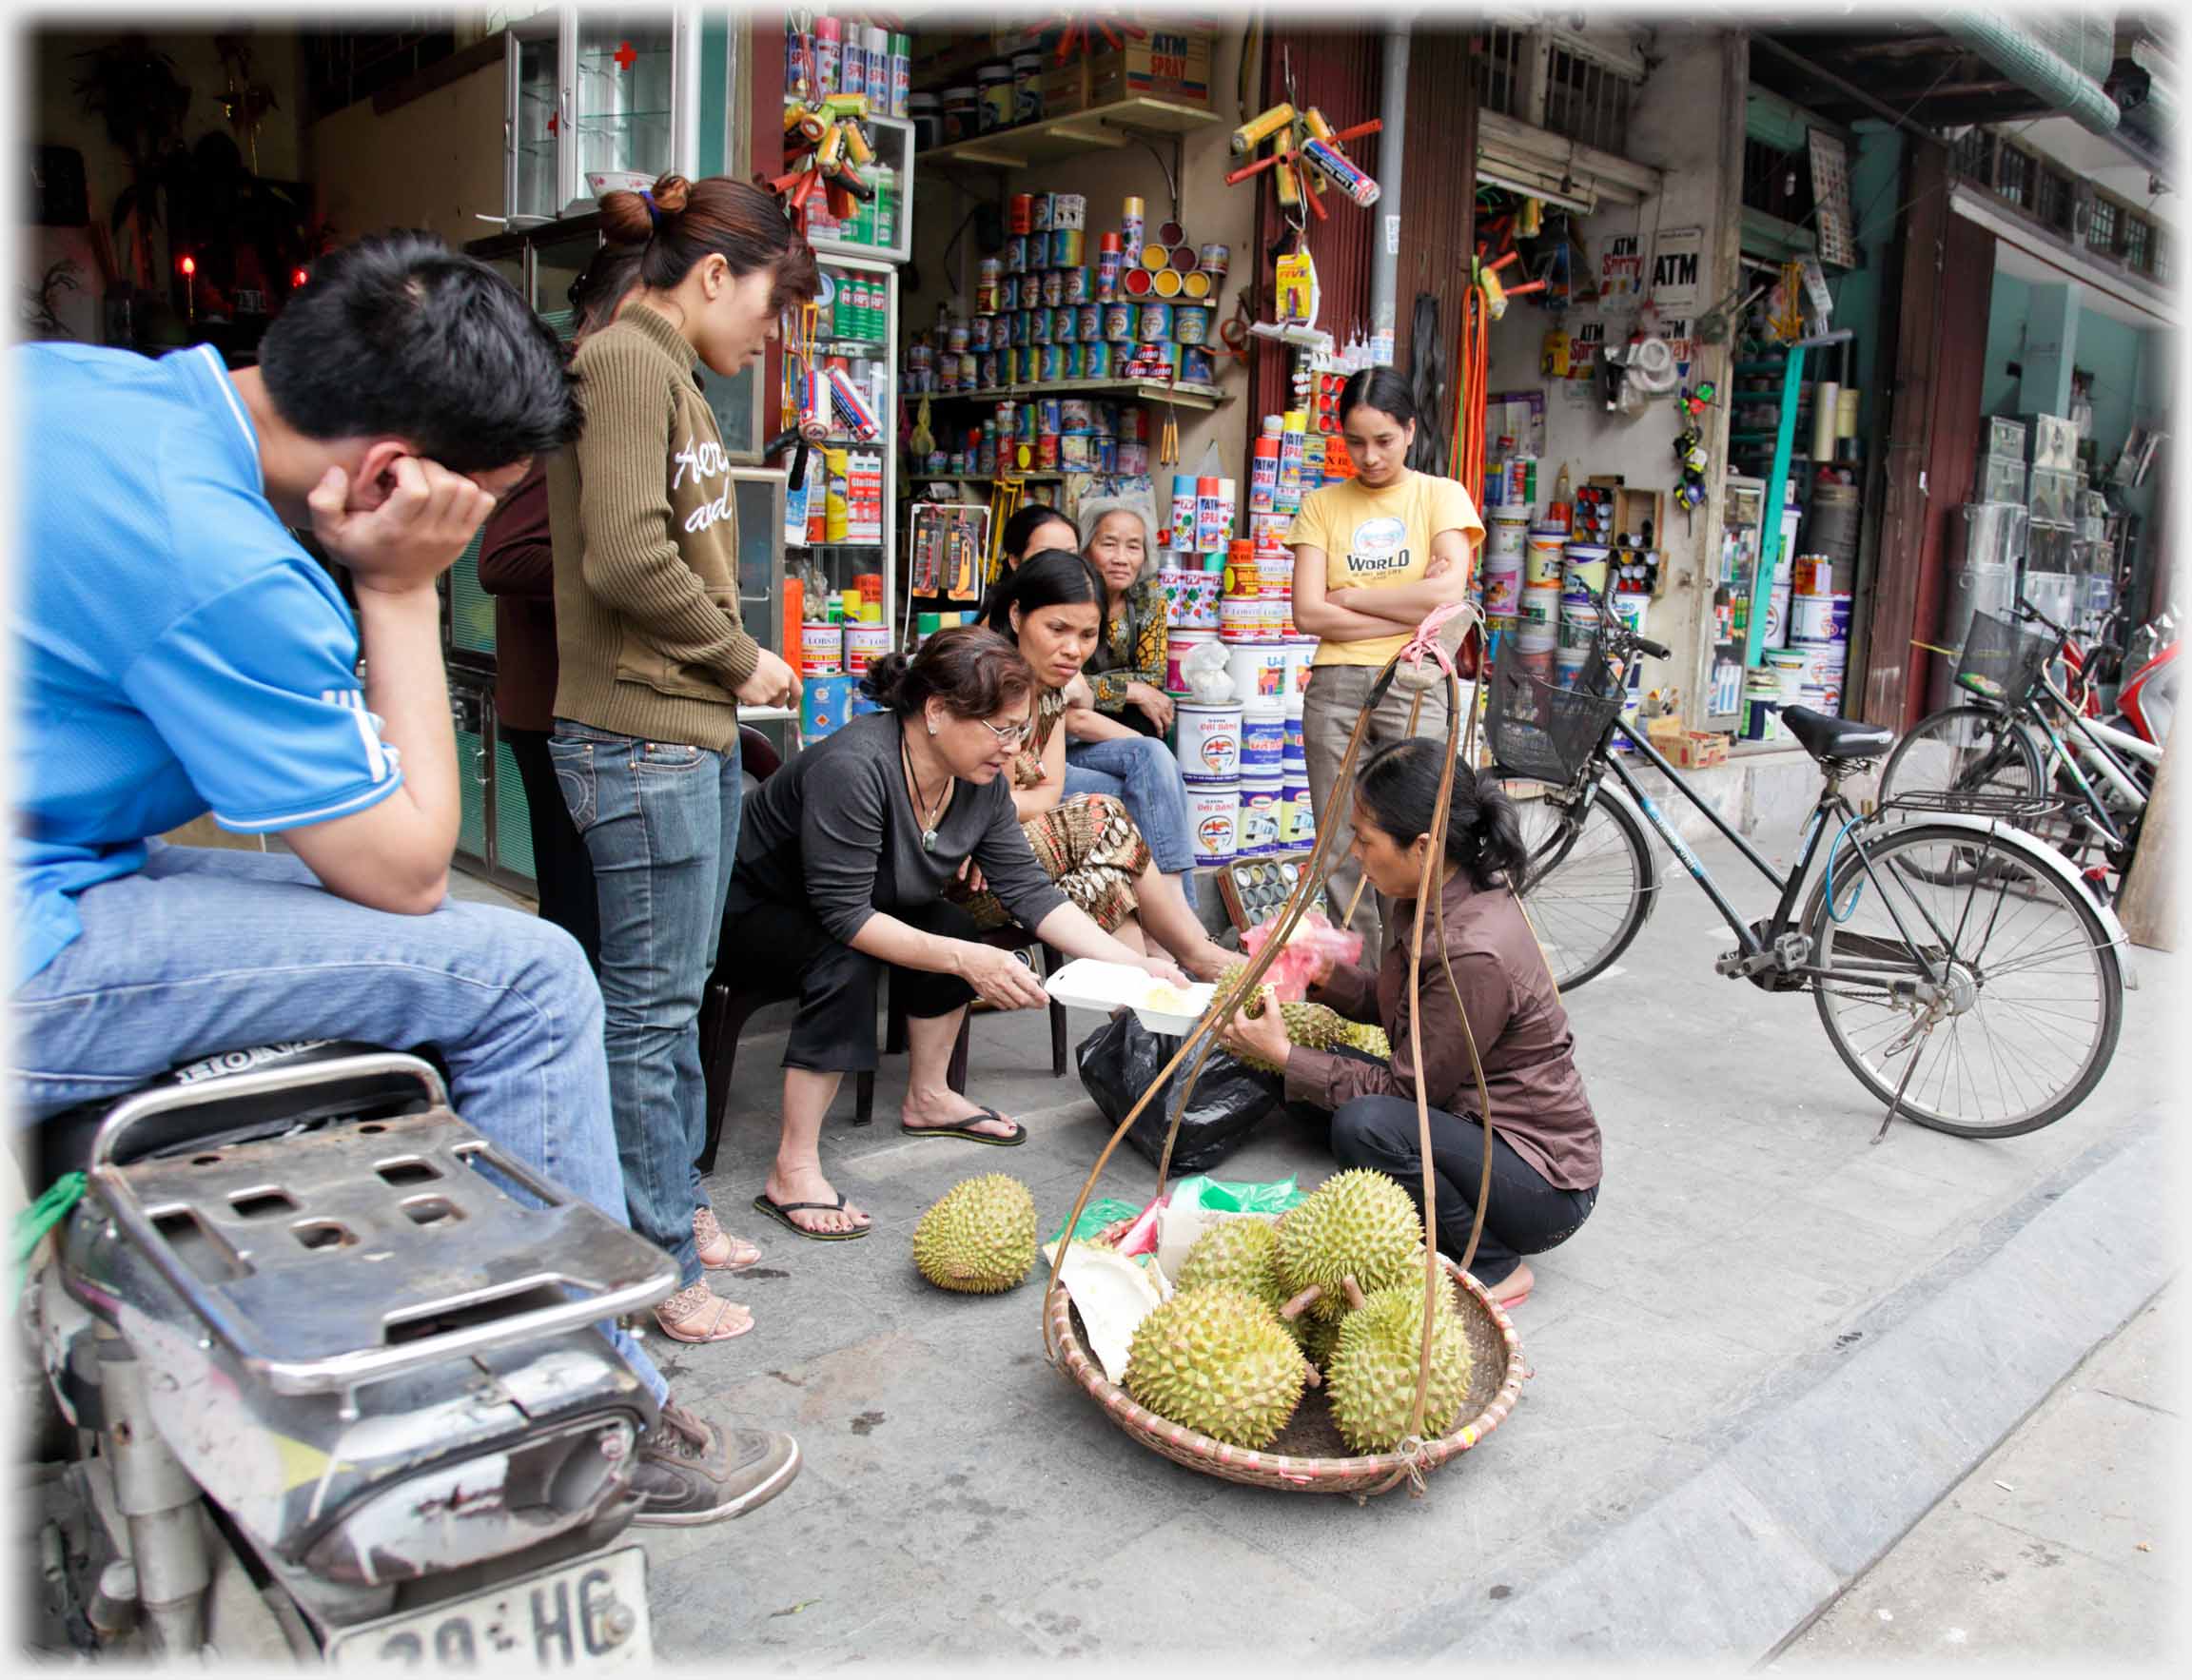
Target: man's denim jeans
x=661 y=825
x=204 y=950
x=1143 y=774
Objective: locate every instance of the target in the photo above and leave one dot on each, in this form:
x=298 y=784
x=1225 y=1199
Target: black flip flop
x=963 y=1129
x=782 y=1211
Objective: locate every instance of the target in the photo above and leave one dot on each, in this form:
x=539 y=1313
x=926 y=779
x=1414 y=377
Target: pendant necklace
x=913 y=782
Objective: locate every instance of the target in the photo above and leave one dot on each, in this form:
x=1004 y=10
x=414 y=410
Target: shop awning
x=1954 y=66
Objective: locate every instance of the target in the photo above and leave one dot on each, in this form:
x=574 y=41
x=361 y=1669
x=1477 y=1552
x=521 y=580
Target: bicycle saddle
x=1827 y=737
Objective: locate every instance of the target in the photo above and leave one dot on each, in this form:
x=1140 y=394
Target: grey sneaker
x=690 y=1471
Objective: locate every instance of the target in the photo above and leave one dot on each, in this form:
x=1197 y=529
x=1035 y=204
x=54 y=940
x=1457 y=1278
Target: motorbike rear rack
x=369 y=1247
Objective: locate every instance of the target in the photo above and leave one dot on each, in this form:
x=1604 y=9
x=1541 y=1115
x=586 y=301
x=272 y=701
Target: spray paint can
x=1341 y=173
x=1109 y=260
x=1212 y=529
x=1184 y=505
x=901 y=74
x=1263 y=467
x=1130 y=230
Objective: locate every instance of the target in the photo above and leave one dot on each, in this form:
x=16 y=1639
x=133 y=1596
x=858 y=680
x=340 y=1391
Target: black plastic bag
x=1122 y=1057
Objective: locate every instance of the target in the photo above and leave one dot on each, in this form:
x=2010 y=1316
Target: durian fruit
x=1218 y=1360
x=1319 y=1336
x=979 y=1239
x=1359 y=1225
x=1370 y=1040
x=1371 y=1375
x=1312 y=1025
x=1235 y=1253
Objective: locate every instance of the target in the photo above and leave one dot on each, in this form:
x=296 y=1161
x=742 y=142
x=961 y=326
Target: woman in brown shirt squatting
x=1545 y=1148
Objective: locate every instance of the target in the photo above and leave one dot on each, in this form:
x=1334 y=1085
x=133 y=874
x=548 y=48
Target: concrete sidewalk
x=2062 y=1545
x=1773 y=1350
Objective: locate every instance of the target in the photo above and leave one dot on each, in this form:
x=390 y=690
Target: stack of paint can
x=1298 y=826
x=1537 y=625
x=1206 y=741
x=1582 y=583
x=1259 y=670
x=1819 y=629
x=1175 y=285
x=1501 y=576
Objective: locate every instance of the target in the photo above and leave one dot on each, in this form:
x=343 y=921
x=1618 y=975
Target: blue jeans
x=661 y=824
x=1143 y=773
x=206 y=951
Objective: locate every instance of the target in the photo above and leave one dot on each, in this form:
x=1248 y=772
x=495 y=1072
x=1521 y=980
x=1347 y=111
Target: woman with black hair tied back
x=1374 y=555
x=845 y=863
x=1545 y=1148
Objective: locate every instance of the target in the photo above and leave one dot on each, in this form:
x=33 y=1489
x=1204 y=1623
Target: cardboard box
x=1698 y=750
x=1171 y=61
x=1065 y=89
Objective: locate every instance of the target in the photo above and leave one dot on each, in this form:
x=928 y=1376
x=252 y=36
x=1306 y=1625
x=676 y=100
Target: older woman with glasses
x=845 y=859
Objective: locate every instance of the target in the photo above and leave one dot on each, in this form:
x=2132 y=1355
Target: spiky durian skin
x=1235 y=1253
x=1371 y=1374
x=1358 y=1223
x=1240 y=1254
x=1216 y=1360
x=1319 y=1338
x=979 y=1239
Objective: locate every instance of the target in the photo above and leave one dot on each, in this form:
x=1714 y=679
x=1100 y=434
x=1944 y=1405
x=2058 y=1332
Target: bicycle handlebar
x=2026 y=610
x=1656 y=650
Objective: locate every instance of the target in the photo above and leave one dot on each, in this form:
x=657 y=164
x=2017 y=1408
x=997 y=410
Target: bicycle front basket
x=2001 y=660
x=1540 y=730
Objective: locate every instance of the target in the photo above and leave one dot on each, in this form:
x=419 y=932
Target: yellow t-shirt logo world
x=1379 y=549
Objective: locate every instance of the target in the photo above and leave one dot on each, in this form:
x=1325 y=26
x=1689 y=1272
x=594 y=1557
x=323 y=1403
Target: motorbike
x=326 y=1381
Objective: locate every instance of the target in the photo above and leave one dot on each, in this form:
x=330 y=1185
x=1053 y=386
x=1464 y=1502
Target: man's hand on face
x=415 y=533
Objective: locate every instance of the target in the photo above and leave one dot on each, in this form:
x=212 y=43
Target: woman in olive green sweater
x=653 y=664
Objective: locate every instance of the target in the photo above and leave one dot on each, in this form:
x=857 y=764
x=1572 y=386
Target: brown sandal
x=696 y=1313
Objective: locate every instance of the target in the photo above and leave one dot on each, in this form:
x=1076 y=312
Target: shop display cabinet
x=1736 y=581
x=596 y=89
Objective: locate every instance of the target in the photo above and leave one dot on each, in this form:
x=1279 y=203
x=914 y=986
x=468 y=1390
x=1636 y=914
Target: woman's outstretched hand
x=999 y=978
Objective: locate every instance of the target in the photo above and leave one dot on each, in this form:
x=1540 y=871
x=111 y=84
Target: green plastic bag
x=1096 y=1215
x=1237 y=1197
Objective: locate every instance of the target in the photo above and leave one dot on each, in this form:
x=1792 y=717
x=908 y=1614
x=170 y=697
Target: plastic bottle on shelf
x=1292 y=430
x=826 y=51
x=878 y=44
x=901 y=75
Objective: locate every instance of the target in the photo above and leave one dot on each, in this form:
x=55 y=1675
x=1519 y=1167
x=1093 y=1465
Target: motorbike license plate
x=583 y=1617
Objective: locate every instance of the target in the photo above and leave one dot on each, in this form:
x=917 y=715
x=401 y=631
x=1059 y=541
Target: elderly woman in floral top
x=1128 y=668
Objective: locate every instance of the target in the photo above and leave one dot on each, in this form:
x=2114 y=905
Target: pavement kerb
x=1835 y=1459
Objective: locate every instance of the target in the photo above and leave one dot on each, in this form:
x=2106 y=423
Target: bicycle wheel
x=1590 y=880
x=1963 y=750
x=1982 y=924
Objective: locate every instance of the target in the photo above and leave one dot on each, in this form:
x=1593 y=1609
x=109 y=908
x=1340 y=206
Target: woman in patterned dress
x=1052 y=606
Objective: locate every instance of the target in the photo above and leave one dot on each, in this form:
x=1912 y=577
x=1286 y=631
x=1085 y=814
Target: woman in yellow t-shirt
x=1373 y=556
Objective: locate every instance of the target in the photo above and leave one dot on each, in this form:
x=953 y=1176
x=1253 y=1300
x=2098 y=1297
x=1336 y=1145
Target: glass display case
x=851 y=529
x=884 y=226
x=596 y=92
x=1742 y=521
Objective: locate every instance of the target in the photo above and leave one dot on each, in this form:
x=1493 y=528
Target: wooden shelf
x=983 y=478
x=1137 y=390
x=1107 y=128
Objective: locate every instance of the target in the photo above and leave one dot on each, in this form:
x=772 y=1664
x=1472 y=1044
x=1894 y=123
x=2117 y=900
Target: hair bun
x=625 y=219
x=672 y=194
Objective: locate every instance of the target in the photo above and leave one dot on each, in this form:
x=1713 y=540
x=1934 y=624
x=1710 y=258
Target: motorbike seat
x=61 y=1143
x=1837 y=739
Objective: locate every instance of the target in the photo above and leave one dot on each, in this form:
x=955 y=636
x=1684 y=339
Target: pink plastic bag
x=1317 y=946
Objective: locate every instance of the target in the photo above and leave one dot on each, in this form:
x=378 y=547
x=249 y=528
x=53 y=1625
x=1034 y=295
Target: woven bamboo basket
x=1309 y=1454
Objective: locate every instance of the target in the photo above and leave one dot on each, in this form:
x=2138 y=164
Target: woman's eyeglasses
x=1011 y=735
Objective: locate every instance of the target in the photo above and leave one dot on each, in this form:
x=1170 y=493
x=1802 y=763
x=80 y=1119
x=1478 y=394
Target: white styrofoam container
x=1089 y=984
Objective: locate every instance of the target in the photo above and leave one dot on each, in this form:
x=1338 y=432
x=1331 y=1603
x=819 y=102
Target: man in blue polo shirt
x=180 y=653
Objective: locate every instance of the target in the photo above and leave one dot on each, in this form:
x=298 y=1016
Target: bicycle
x=1934 y=922
x=2021 y=735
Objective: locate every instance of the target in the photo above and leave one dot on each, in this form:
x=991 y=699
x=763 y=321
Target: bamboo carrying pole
x=1460 y=740
x=2149 y=907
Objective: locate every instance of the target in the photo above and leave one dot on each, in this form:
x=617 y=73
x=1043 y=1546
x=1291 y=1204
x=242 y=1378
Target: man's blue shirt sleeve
x=254 y=691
